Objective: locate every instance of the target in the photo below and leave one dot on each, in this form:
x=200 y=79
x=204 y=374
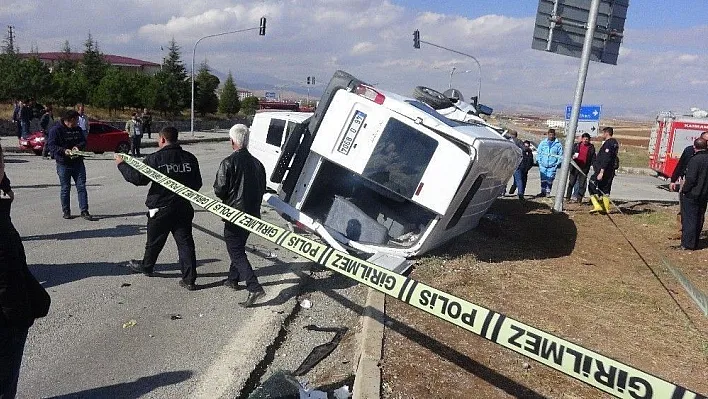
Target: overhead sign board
x=270 y=95
x=561 y=25
x=587 y=112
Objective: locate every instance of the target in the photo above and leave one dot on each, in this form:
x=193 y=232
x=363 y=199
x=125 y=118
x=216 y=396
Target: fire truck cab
x=669 y=136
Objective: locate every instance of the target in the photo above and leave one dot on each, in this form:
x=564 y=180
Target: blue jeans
x=25 y=129
x=76 y=171
x=12 y=345
x=520 y=181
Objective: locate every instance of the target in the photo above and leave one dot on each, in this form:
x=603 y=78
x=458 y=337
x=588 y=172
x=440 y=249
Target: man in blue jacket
x=66 y=136
x=550 y=155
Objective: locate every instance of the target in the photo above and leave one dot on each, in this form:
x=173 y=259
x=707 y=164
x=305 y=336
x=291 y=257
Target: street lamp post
x=261 y=32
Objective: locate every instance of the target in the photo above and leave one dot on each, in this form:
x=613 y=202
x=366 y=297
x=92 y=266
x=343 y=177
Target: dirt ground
x=573 y=275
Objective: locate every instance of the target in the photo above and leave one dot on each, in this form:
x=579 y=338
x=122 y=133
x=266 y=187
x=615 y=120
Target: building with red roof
x=126 y=63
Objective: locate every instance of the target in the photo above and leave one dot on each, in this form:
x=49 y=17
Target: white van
x=269 y=130
x=375 y=172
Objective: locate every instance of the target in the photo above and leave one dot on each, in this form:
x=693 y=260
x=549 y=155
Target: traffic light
x=308 y=80
x=261 y=31
x=416 y=38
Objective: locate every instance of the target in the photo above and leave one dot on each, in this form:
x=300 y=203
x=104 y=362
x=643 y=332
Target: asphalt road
x=183 y=344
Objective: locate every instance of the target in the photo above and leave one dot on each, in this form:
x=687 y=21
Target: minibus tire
x=432 y=97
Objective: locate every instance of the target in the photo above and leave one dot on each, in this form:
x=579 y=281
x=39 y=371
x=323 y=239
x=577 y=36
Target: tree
x=173 y=89
x=93 y=67
x=70 y=85
x=113 y=91
x=10 y=76
x=205 y=99
x=249 y=105
x=229 y=103
x=35 y=79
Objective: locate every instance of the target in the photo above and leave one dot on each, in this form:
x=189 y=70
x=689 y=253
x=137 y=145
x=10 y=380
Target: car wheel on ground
x=123 y=148
x=432 y=97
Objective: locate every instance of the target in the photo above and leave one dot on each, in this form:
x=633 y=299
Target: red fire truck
x=669 y=136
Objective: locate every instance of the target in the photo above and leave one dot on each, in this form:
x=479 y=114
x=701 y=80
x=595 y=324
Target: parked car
x=102 y=137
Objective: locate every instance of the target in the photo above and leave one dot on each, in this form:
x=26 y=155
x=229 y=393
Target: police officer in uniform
x=604 y=172
x=168 y=212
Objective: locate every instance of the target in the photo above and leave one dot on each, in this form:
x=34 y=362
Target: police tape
x=604 y=373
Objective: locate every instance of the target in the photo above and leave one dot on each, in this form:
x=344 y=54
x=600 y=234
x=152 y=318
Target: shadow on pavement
x=122 y=230
x=58 y=274
x=134 y=389
x=48 y=186
x=515 y=230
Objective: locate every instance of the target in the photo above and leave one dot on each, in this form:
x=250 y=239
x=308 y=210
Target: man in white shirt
x=83 y=119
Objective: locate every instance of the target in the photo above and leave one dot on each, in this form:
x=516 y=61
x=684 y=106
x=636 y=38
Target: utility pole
x=10 y=41
x=577 y=101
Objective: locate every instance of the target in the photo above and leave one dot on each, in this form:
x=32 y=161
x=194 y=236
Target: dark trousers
x=178 y=221
x=240 y=269
x=692 y=218
x=147 y=129
x=135 y=145
x=76 y=171
x=577 y=183
x=602 y=187
x=12 y=345
x=45 y=149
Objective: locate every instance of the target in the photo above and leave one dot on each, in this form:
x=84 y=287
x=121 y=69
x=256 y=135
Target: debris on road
x=129 y=323
x=175 y=316
x=320 y=352
x=125 y=285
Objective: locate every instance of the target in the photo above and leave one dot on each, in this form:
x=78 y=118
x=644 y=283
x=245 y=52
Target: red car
x=102 y=137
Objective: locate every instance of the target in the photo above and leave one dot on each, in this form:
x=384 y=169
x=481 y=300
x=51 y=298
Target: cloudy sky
x=663 y=64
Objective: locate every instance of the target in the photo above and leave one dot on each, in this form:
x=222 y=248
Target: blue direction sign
x=587 y=112
x=270 y=95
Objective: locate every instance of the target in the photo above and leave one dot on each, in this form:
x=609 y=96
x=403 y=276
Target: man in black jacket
x=240 y=183
x=694 y=195
x=680 y=171
x=168 y=212
x=22 y=298
x=603 y=172
x=583 y=155
x=65 y=136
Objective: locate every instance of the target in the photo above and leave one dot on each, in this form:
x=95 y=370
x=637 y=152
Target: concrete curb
x=367 y=381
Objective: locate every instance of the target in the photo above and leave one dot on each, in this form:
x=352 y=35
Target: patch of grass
x=654 y=218
x=633 y=157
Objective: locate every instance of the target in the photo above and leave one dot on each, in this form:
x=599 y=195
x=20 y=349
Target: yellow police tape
x=601 y=372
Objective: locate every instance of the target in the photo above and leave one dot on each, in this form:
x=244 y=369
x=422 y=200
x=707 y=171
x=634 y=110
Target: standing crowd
x=549 y=156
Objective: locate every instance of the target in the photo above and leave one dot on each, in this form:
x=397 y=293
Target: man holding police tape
x=167 y=211
x=240 y=183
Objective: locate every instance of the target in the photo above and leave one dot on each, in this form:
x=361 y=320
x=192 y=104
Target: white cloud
x=363 y=48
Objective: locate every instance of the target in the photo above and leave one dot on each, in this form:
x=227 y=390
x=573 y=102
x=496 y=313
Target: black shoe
x=87 y=216
x=252 y=298
x=188 y=286
x=66 y=215
x=541 y=195
x=233 y=284
x=137 y=267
